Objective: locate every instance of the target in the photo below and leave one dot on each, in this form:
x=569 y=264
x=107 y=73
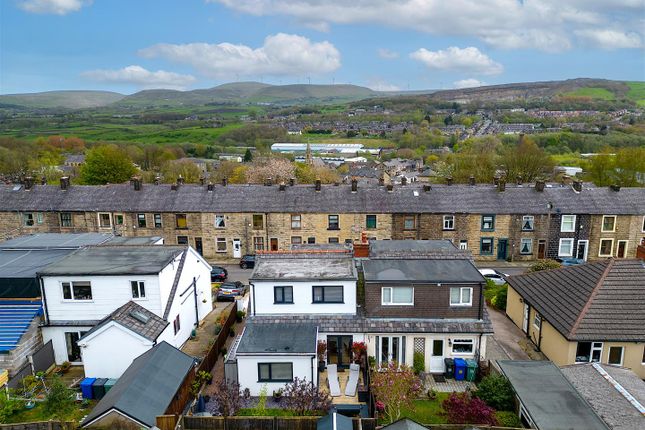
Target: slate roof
x=115 y=260
x=604 y=397
x=405 y=424
x=421 y=271
x=551 y=401
x=598 y=301
x=331 y=198
x=411 y=249
x=56 y=240
x=304 y=269
x=147 y=387
x=293 y=338
x=129 y=316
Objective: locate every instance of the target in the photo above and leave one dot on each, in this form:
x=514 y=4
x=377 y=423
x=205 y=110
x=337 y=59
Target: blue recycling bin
x=86 y=388
x=460 y=369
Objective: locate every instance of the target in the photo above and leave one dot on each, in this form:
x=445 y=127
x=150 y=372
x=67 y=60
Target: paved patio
x=450 y=386
x=199 y=346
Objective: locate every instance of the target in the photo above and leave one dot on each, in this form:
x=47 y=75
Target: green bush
x=499 y=299
x=418 y=362
x=508 y=419
x=544 y=265
x=497 y=392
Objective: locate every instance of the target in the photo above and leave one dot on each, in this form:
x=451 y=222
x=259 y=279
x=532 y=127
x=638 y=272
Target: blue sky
x=129 y=45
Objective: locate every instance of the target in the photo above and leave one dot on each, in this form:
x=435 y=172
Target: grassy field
x=637 y=92
x=592 y=92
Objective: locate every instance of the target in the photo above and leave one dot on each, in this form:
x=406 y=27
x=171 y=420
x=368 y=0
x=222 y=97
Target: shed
x=334 y=421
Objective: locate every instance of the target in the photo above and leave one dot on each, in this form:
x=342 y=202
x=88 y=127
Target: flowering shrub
x=395 y=387
x=358 y=350
x=379 y=406
x=462 y=408
x=303 y=397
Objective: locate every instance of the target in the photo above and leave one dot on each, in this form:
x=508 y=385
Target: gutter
x=253 y=296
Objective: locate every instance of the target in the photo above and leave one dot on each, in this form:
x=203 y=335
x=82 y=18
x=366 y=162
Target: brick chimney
x=427 y=187
x=354 y=185
x=539 y=185
x=614 y=187
x=136 y=183
x=404 y=180
x=501 y=185
x=224 y=182
x=317 y=184
x=282 y=186
x=210 y=186
x=64 y=182
x=292 y=182
x=577 y=185
x=449 y=180
x=268 y=182
x=381 y=181
x=471 y=180
x=29 y=183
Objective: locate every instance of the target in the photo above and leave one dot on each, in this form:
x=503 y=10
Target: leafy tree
x=526 y=160
x=59 y=402
x=600 y=168
x=463 y=408
x=544 y=265
x=8 y=406
x=497 y=392
x=278 y=169
x=227 y=396
x=396 y=386
x=188 y=170
x=304 y=398
x=418 y=362
x=248 y=156
x=630 y=167
x=106 y=164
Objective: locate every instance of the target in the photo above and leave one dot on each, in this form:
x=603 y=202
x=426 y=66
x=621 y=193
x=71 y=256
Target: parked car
x=218 y=274
x=496 y=276
x=230 y=290
x=570 y=261
x=247 y=261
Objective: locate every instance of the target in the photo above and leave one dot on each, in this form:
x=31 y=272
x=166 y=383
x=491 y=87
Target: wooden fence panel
x=365 y=424
x=203 y=423
x=42 y=425
x=249 y=423
x=166 y=422
x=296 y=423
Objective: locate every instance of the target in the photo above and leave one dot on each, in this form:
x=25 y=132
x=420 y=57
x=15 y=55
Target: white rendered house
x=172 y=283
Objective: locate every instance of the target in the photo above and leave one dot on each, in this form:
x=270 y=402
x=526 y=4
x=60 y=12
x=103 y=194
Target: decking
x=342 y=379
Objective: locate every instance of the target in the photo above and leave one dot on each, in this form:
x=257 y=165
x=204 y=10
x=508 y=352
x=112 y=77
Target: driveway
x=506 y=337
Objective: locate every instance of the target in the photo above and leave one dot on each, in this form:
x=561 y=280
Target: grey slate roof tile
x=151 y=329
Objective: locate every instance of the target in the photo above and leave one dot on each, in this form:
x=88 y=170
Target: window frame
x=258 y=243
x=331 y=225
x=602 y=224
x=391 y=302
x=412 y=220
x=463 y=245
x=296 y=240
x=448 y=219
x=142 y=221
x=611 y=249
x=492 y=222
x=561 y=241
x=311 y=240
x=333 y=240
x=537 y=320
x=187 y=241
x=176 y=324
x=270 y=367
x=592 y=348
x=573 y=218
x=323 y=301
x=296 y=221
x=222 y=223
x=492 y=245
x=461 y=297
x=159 y=218
x=179 y=217
x=62 y=223
x=257 y=221
x=530 y=242
x=109 y=218
x=218 y=241
x=282 y=288
x=368 y=219
x=140 y=287
x=455 y=342
x=529 y=218
x=618 y=242
x=622 y=355
x=71 y=285
x=118 y=219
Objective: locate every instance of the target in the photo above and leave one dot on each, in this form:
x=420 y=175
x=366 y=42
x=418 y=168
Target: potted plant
x=239 y=316
x=277 y=395
x=359 y=349
x=321 y=351
x=65 y=366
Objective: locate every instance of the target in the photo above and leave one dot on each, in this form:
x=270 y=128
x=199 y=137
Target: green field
x=592 y=92
x=637 y=92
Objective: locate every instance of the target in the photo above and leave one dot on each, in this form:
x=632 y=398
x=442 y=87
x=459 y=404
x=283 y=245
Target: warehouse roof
x=422 y=270
x=330 y=199
x=602 y=300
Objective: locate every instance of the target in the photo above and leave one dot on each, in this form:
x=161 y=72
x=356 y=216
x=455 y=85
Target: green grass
x=426 y=411
x=637 y=92
x=38 y=414
x=592 y=92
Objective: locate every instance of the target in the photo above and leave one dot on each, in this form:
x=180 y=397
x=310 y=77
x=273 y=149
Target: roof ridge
x=591 y=298
x=175 y=283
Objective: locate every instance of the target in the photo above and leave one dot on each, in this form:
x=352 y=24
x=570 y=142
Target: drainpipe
x=312 y=372
x=479 y=348
x=196 y=305
x=267 y=245
x=481 y=301
x=44 y=298
x=540 y=334
x=252 y=297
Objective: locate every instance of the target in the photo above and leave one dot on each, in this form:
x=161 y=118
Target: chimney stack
x=471 y=180
x=577 y=185
x=317 y=184
x=43 y=181
x=404 y=180
x=157 y=180
x=268 y=182
x=174 y=187
x=501 y=185
x=449 y=180
x=29 y=183
x=518 y=179
x=136 y=183
x=180 y=180
x=64 y=182
x=202 y=180
x=282 y=186
x=354 y=185
x=224 y=182
x=539 y=185
x=210 y=186
x=614 y=187
x=390 y=188
x=381 y=181
x=292 y=182
x=427 y=187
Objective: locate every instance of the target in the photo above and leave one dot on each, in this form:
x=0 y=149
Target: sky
x=130 y=45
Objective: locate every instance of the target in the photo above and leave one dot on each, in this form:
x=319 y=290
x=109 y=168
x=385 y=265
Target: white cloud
x=141 y=77
x=546 y=25
x=468 y=83
x=280 y=55
x=378 y=84
x=467 y=60
x=387 y=54
x=611 y=39
x=56 y=7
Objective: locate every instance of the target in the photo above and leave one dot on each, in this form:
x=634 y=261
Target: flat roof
x=314 y=268
x=423 y=270
x=56 y=240
x=549 y=398
x=115 y=260
x=272 y=338
x=378 y=246
x=141 y=240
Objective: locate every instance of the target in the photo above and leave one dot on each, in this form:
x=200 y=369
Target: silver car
x=497 y=277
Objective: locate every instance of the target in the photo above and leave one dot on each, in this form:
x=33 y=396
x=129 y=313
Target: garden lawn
x=426 y=411
x=38 y=414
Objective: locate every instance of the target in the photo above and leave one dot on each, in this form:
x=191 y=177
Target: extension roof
x=267 y=339
x=147 y=387
x=598 y=301
x=331 y=198
x=114 y=260
x=135 y=318
x=330 y=269
x=421 y=271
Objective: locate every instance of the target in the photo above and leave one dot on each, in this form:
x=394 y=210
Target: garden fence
x=264 y=423
x=44 y=425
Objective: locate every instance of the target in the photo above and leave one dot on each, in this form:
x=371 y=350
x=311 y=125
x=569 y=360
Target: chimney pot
x=381 y=181
x=210 y=186
x=471 y=180
x=268 y=182
x=427 y=187
x=449 y=180
x=224 y=182
x=501 y=186
x=64 y=182
x=577 y=185
x=317 y=184
x=29 y=182
x=136 y=183
x=404 y=180
x=390 y=188
x=539 y=185
x=43 y=181
x=354 y=185
x=614 y=187
x=283 y=187
x=292 y=182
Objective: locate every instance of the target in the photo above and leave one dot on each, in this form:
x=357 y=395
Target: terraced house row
x=516 y=222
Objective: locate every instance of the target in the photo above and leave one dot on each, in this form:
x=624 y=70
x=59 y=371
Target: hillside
x=61 y=99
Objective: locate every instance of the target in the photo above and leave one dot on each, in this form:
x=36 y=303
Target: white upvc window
x=77 y=291
x=463 y=245
x=105 y=220
x=568 y=224
x=616 y=354
x=608 y=223
x=606 y=248
x=526 y=246
x=528 y=223
x=220 y=244
x=220 y=221
x=588 y=352
x=397 y=296
x=448 y=222
x=461 y=296
x=390 y=349
x=138 y=289
x=566 y=247
x=463 y=346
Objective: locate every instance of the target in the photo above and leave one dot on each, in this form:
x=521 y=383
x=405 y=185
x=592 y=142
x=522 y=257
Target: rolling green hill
x=61 y=99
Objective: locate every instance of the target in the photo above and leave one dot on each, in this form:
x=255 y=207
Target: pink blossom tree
x=395 y=386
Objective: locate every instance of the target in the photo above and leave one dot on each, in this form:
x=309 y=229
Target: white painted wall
x=111 y=351
x=247 y=371
x=302 y=298
x=57 y=336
